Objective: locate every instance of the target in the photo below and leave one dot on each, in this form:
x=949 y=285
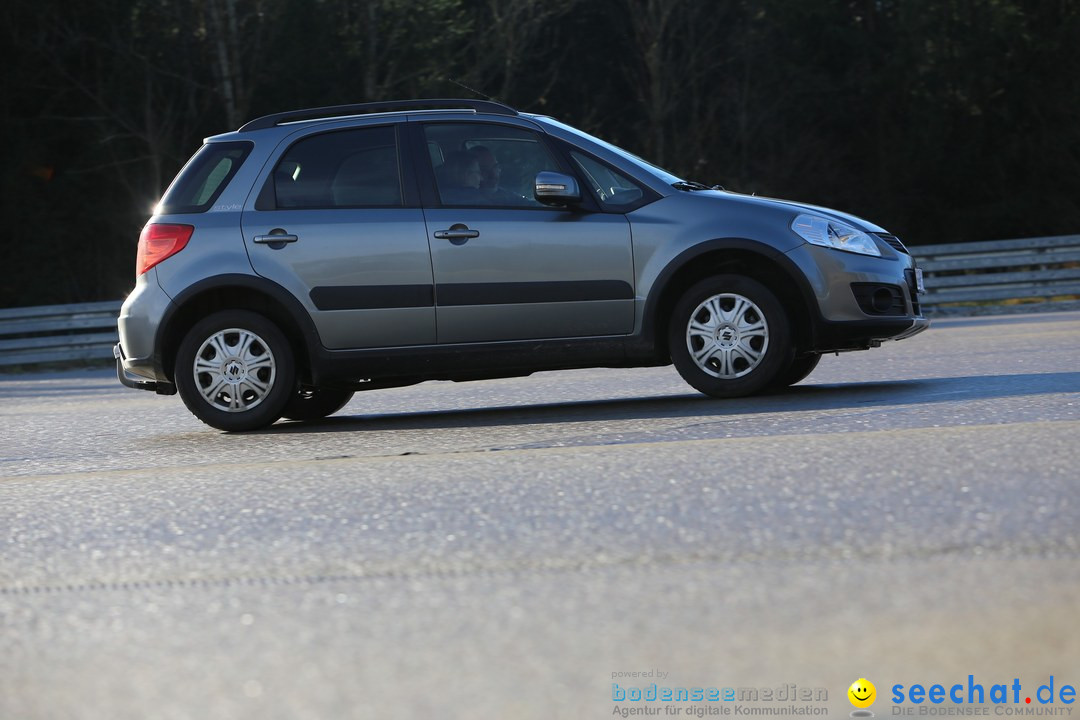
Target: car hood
x=726 y=196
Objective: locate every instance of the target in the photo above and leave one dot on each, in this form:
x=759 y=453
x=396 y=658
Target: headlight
x=817 y=230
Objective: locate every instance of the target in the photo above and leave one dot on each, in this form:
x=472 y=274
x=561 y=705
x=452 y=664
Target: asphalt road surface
x=511 y=548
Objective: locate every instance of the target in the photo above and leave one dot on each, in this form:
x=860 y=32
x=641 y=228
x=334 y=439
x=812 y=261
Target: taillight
x=158 y=242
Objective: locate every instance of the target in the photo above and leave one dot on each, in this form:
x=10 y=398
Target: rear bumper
x=138 y=363
x=132 y=373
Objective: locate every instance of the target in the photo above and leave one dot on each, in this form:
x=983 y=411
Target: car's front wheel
x=800 y=368
x=729 y=336
x=235 y=371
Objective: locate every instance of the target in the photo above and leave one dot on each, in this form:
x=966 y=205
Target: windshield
x=655 y=170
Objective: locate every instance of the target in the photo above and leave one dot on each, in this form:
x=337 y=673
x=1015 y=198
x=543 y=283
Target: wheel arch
x=761 y=262
x=239 y=292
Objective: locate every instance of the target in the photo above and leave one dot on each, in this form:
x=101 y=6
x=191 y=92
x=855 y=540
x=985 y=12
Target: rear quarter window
x=204 y=177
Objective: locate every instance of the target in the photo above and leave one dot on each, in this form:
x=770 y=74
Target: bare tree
x=677 y=50
x=238 y=30
x=513 y=35
x=399 y=46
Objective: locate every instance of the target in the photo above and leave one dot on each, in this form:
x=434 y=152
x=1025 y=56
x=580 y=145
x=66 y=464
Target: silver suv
x=314 y=253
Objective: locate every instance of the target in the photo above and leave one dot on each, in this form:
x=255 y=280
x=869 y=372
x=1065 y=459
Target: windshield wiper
x=690 y=185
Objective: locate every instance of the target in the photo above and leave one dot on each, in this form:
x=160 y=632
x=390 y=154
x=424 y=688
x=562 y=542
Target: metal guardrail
x=58 y=333
x=961 y=278
x=1033 y=274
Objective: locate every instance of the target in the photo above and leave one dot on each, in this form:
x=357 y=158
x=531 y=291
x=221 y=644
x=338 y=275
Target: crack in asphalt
x=638 y=562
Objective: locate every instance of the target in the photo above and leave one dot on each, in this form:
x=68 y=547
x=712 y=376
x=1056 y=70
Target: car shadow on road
x=837 y=396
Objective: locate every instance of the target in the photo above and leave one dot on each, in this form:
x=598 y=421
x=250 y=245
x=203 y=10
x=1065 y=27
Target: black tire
x=742 y=339
x=315 y=403
x=800 y=367
x=247 y=372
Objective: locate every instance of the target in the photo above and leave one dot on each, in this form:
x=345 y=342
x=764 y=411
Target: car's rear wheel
x=729 y=336
x=315 y=403
x=235 y=371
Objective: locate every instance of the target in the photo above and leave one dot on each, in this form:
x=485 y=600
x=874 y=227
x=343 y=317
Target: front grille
x=894 y=242
x=877 y=299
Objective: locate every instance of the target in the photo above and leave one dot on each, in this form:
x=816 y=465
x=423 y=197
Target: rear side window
x=343 y=169
x=206 y=174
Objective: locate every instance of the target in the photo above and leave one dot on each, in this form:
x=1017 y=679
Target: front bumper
x=864 y=334
x=862 y=301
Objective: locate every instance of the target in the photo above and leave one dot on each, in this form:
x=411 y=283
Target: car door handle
x=457 y=232
x=273 y=238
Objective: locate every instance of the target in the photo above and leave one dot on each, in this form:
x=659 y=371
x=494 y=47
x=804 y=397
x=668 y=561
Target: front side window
x=204 y=177
x=344 y=169
x=612 y=188
x=487 y=165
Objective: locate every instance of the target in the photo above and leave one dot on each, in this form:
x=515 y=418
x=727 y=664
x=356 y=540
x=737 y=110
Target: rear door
x=505 y=266
x=352 y=245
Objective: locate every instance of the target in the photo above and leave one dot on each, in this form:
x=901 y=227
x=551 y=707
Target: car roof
x=341 y=111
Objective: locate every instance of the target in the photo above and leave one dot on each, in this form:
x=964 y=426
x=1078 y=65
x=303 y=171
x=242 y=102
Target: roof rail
x=268 y=121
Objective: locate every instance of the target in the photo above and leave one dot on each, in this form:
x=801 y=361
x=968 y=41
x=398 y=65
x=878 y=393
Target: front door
x=507 y=267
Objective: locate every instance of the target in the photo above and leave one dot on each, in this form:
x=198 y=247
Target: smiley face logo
x=862 y=693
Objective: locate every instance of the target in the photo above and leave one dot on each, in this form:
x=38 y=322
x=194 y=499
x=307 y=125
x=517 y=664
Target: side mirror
x=554 y=188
